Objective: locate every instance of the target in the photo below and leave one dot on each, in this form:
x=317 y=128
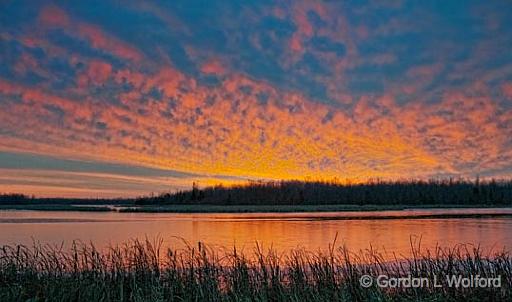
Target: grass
x=144 y=271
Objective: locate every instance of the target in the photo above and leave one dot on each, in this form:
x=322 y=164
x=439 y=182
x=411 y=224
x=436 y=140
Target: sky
x=124 y=98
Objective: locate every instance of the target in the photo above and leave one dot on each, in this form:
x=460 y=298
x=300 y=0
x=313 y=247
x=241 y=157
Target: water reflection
x=279 y=231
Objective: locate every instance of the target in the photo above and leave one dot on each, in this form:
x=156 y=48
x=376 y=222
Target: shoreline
x=277 y=209
x=292 y=208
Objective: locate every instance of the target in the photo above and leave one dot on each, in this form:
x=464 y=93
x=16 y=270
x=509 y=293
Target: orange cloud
x=286 y=138
x=145 y=111
x=250 y=128
x=226 y=130
x=213 y=67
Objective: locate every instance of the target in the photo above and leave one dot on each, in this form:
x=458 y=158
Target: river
x=281 y=231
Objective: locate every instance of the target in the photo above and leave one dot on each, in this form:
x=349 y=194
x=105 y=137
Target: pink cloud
x=213 y=67
x=52 y=16
x=507 y=90
x=97 y=72
x=101 y=40
x=305 y=29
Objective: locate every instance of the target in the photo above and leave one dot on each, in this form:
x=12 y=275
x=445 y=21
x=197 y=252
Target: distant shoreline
x=292 y=196
x=212 y=209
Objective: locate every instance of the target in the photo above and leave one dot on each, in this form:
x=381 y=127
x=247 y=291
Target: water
x=281 y=231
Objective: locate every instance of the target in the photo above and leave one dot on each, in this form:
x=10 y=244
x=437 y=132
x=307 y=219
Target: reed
x=145 y=271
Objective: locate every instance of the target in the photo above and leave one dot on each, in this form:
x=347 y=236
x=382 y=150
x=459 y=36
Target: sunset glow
x=108 y=98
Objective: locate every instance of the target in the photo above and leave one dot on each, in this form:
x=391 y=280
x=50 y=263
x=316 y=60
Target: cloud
x=52 y=17
x=212 y=131
x=101 y=40
x=97 y=72
x=213 y=67
x=49 y=176
x=507 y=90
x=272 y=91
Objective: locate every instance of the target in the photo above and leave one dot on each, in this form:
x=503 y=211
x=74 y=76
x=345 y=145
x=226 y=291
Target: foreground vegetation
x=143 y=271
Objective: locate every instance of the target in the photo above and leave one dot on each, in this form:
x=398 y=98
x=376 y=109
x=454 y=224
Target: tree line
x=22 y=199
x=376 y=192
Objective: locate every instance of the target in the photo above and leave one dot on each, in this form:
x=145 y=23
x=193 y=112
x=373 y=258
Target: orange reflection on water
x=282 y=232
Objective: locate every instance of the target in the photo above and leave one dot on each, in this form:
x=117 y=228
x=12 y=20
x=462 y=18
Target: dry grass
x=144 y=271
